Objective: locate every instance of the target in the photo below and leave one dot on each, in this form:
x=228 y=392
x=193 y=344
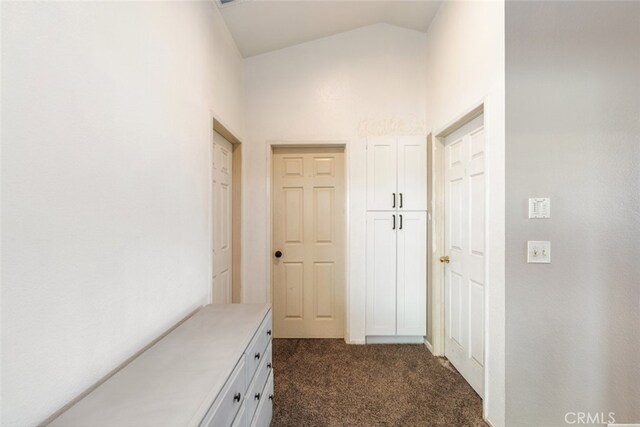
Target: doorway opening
x=226 y=208
x=459 y=262
x=308 y=250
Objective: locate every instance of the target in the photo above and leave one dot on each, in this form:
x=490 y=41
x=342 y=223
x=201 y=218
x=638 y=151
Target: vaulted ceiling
x=260 y=26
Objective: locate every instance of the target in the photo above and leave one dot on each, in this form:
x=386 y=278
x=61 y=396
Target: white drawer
x=255 y=394
x=228 y=402
x=265 y=408
x=257 y=347
x=241 y=417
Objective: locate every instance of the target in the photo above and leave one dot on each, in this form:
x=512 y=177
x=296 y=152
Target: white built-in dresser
x=214 y=370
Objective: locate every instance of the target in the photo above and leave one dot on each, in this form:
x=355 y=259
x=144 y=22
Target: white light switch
x=539 y=208
x=538 y=252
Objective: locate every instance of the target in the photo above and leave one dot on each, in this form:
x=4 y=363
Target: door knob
x=278 y=254
x=444 y=259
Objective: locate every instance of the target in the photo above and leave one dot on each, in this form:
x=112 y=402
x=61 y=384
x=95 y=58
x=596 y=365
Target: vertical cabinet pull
x=394 y=222
x=394 y=200
x=400 y=202
x=401 y=222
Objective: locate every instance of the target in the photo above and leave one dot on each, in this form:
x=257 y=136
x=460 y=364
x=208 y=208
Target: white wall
x=370 y=81
x=105 y=184
x=573 y=134
x=465 y=60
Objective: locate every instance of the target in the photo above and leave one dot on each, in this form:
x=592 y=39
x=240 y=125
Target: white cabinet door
x=382 y=174
x=412 y=173
x=381 y=273
x=412 y=273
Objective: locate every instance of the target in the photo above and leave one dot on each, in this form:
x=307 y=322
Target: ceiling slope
x=260 y=26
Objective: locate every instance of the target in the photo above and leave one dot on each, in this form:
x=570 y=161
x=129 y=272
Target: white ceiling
x=260 y=26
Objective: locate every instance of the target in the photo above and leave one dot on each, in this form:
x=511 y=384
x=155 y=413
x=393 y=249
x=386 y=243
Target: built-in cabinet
x=396 y=236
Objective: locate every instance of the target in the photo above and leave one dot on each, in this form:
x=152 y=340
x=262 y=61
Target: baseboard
x=428 y=345
x=356 y=342
x=395 y=339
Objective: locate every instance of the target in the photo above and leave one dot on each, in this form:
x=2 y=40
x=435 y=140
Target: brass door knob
x=444 y=259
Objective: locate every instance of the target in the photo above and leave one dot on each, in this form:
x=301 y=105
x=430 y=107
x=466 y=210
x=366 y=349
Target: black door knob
x=278 y=254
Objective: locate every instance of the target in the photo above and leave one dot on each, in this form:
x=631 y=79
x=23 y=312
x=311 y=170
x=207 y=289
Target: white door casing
x=465 y=246
x=309 y=231
x=222 y=225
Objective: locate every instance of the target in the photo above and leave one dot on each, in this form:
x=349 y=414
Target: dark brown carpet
x=329 y=383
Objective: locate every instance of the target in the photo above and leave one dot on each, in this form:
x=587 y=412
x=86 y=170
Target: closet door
x=382 y=174
x=412 y=273
x=412 y=173
x=381 y=273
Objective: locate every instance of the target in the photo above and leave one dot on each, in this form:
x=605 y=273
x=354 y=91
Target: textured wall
x=573 y=134
x=368 y=81
x=465 y=66
x=105 y=185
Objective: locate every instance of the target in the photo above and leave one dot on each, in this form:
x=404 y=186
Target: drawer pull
x=271 y=397
x=268 y=365
x=237 y=397
x=269 y=332
x=257 y=356
x=257 y=396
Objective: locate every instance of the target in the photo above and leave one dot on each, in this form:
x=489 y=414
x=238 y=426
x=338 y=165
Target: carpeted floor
x=329 y=383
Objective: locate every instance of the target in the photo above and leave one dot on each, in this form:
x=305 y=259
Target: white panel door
x=465 y=247
x=222 y=231
x=412 y=274
x=381 y=273
x=412 y=173
x=308 y=233
x=382 y=173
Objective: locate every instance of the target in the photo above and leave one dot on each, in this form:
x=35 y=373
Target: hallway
x=330 y=383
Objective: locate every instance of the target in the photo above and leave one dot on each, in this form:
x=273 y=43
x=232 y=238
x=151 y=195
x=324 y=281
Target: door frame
x=494 y=303
x=310 y=143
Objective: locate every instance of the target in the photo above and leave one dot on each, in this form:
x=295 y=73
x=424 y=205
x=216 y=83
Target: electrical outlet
x=538 y=252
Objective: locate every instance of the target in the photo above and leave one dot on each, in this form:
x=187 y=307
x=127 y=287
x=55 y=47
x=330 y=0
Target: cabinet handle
x=400 y=200
x=269 y=332
x=257 y=356
x=257 y=396
x=400 y=221
x=394 y=200
x=394 y=222
x=268 y=365
x=271 y=397
x=237 y=397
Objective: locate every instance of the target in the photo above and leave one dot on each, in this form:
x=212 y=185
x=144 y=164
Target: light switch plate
x=538 y=252
x=540 y=207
